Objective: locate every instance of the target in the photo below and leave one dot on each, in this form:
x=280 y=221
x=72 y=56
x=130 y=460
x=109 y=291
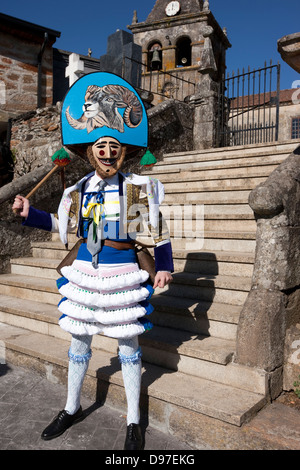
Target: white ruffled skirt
x=112 y=299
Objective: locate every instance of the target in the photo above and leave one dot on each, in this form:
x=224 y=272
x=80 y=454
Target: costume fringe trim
x=108 y=300
x=114 y=298
x=102 y=315
x=133 y=359
x=98 y=279
x=77 y=358
x=122 y=330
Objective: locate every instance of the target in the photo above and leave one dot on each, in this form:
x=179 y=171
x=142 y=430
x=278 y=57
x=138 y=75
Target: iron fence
x=248 y=107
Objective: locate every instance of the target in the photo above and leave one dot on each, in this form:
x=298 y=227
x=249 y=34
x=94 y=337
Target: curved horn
x=126 y=99
x=131 y=115
x=76 y=123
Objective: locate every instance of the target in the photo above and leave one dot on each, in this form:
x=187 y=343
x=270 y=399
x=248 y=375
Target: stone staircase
x=188 y=372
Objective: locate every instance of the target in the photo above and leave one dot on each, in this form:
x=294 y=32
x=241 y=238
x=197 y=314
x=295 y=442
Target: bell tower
x=174 y=40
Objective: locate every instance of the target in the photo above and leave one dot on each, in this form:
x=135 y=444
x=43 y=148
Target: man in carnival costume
x=104 y=290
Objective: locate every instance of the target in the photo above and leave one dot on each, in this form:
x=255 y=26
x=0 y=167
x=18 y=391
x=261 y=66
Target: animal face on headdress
x=103 y=104
x=101 y=108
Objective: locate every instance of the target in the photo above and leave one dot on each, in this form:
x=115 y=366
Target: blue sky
x=253 y=26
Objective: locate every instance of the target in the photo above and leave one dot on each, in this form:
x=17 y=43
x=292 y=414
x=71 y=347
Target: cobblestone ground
x=28 y=403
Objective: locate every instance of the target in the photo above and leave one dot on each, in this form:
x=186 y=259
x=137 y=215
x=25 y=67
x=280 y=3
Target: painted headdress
x=103 y=104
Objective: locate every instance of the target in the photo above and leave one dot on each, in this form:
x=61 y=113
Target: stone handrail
x=21 y=184
x=269 y=198
x=273 y=303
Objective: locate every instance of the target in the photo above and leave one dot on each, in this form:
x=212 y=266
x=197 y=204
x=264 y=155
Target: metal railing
x=248 y=107
x=158 y=82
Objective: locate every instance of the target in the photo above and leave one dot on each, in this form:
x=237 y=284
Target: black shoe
x=61 y=423
x=134 y=438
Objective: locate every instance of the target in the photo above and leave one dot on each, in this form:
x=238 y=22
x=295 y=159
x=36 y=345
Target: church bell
x=156 y=58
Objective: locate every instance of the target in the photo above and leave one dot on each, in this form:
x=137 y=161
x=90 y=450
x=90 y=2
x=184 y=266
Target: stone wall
x=19 y=73
x=170 y=128
x=35 y=137
x=269 y=327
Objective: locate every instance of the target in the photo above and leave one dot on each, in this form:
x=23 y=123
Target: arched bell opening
x=154 y=56
x=183 y=52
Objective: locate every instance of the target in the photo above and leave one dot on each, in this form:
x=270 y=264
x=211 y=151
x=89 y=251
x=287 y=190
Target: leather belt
x=118 y=245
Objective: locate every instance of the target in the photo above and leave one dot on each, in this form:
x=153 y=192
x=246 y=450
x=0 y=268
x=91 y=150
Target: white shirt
x=111 y=195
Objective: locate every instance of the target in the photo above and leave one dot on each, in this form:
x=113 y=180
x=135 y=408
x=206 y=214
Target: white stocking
x=79 y=356
x=130 y=358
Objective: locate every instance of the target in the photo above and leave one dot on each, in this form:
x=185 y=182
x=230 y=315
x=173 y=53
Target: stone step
x=238 y=235
x=31 y=288
x=194 y=165
x=72 y=238
x=203 y=280
x=209 y=211
x=177 y=350
x=217 y=197
x=212 y=174
x=223 y=263
x=49 y=249
x=217 y=241
x=196 y=316
x=178 y=227
x=35 y=267
x=222 y=289
x=228 y=184
x=223 y=153
x=230 y=256
x=233 y=405
x=205 y=174
x=216 y=157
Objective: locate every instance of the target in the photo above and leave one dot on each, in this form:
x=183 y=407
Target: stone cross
x=76 y=65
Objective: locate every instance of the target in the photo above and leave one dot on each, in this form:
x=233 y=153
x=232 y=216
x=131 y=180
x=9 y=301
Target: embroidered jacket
x=139 y=200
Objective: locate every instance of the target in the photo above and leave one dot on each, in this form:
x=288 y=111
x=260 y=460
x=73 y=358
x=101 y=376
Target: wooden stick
x=15 y=211
x=42 y=181
x=62 y=177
